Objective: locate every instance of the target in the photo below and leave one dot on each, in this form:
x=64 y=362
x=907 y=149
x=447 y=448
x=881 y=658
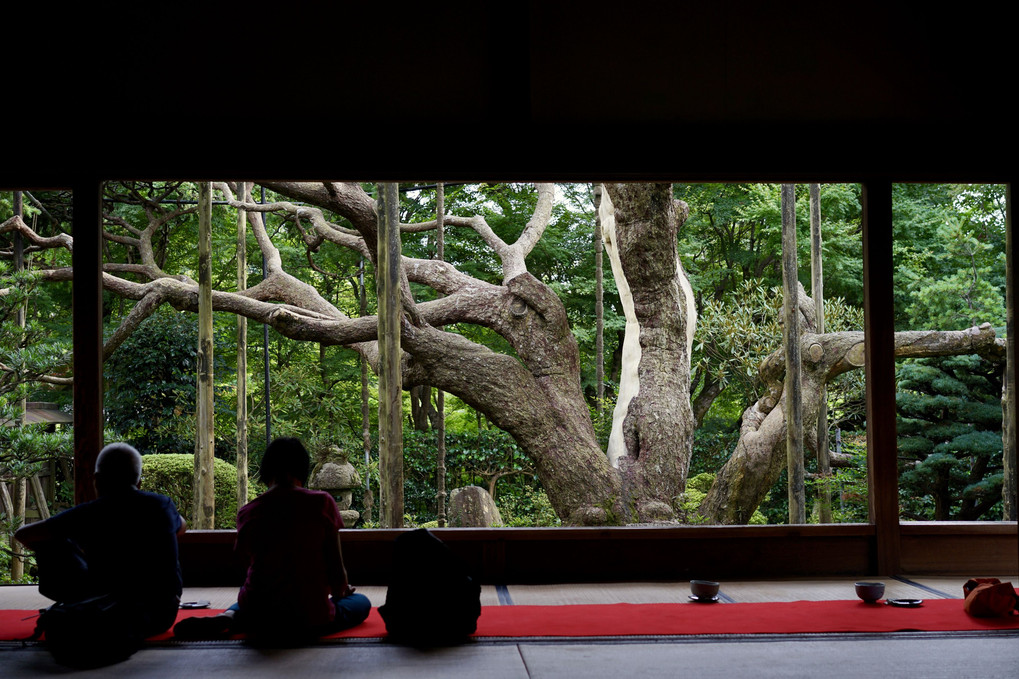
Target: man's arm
x=35 y=533
x=338 y=583
x=183 y=526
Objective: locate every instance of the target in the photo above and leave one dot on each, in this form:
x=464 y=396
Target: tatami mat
x=26 y=597
x=599 y=593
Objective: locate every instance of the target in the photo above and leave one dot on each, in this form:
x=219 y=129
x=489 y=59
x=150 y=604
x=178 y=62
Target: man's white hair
x=119 y=464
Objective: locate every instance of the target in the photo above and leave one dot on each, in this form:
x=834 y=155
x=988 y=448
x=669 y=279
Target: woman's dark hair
x=285 y=457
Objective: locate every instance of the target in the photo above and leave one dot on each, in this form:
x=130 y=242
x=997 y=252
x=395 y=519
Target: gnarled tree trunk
x=755 y=465
x=653 y=424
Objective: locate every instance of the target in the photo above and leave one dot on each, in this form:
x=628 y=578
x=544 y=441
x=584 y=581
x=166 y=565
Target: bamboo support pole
x=599 y=304
x=366 y=436
x=204 y=487
x=390 y=378
x=817 y=291
x=791 y=332
x=17 y=517
x=242 y=354
x=440 y=396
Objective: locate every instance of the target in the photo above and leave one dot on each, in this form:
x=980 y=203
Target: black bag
x=89 y=633
x=432 y=600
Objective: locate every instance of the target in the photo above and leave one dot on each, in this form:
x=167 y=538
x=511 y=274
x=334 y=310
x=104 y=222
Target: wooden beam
x=87 y=311
x=793 y=366
x=879 y=343
x=635 y=554
x=390 y=378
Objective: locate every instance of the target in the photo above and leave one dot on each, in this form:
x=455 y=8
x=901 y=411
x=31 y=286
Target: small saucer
x=703 y=600
x=905 y=603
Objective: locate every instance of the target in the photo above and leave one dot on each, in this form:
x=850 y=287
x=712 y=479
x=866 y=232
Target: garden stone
x=473 y=507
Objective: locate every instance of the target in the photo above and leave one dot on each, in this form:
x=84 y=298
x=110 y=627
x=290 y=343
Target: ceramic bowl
x=870 y=591
x=704 y=589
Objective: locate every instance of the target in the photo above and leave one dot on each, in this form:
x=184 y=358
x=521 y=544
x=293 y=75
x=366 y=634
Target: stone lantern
x=334 y=474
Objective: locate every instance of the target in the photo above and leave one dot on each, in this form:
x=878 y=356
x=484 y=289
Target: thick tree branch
x=15 y=223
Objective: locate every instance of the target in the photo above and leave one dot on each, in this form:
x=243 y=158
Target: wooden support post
x=6 y=502
x=1011 y=474
x=87 y=304
x=879 y=346
x=440 y=395
x=793 y=365
x=40 y=497
x=1011 y=430
x=19 y=486
x=817 y=291
x=390 y=379
x=204 y=486
x=242 y=353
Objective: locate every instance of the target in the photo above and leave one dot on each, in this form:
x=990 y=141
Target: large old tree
x=535 y=392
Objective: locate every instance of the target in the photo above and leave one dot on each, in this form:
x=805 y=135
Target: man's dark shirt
x=129 y=540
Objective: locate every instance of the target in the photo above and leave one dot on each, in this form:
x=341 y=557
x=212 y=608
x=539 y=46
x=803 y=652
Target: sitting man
x=121 y=546
x=288 y=536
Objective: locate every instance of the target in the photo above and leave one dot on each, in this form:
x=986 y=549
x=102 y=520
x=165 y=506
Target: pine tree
x=950 y=438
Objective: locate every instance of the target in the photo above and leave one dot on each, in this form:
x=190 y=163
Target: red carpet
x=669 y=619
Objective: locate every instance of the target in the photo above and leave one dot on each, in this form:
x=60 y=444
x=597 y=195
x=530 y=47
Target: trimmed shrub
x=173 y=475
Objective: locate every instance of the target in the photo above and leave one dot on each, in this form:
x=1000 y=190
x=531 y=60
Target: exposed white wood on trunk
x=629 y=381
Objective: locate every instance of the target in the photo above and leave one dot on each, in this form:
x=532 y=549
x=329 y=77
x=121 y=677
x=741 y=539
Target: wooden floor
x=26 y=597
x=904 y=655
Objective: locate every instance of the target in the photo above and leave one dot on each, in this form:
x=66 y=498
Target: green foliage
x=950 y=438
x=735 y=335
x=316 y=397
x=528 y=509
x=151 y=384
x=690 y=501
x=472 y=458
x=713 y=443
x=26 y=354
x=173 y=475
x=850 y=499
x=949 y=252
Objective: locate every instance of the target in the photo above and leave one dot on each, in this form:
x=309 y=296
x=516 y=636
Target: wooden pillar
x=87 y=310
x=879 y=344
x=793 y=365
x=204 y=486
x=1011 y=372
x=242 y=354
x=440 y=395
x=390 y=379
x=817 y=292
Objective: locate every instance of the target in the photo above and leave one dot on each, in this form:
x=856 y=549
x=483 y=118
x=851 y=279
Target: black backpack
x=90 y=633
x=432 y=600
